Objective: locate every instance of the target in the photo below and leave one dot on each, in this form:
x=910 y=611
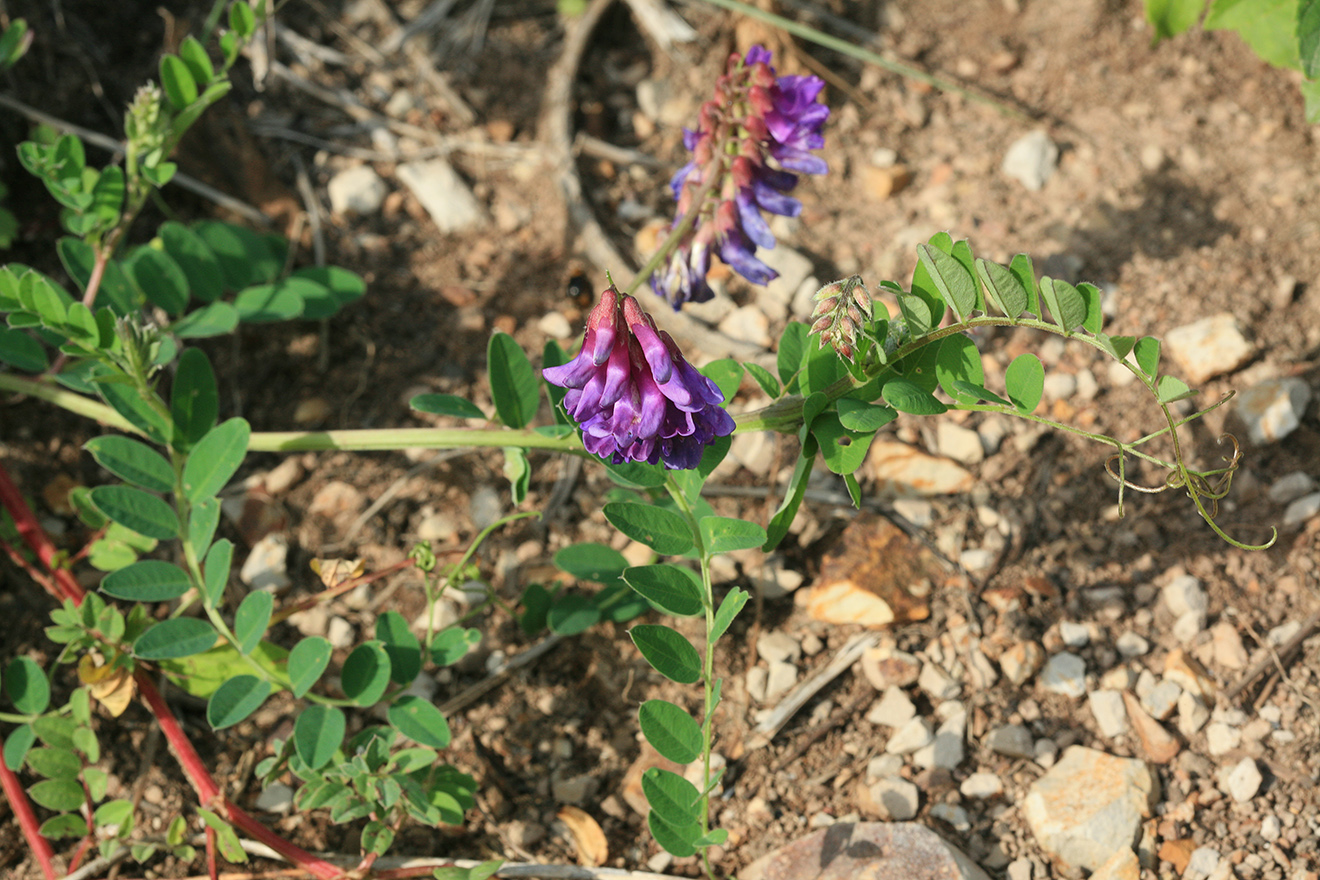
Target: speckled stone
x=1089 y=806
x=873 y=850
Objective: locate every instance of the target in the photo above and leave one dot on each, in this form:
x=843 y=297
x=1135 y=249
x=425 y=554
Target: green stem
x=49 y=391
x=384 y=439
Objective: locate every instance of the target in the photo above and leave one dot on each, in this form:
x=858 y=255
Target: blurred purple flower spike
x=634 y=395
x=751 y=141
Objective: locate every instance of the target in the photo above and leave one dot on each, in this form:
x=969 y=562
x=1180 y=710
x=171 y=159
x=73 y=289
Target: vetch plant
x=629 y=399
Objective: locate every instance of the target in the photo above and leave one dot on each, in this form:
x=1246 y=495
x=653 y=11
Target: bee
x=579 y=285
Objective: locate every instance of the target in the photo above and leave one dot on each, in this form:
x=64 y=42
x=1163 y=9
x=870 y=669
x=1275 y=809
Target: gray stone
x=1207 y=348
x=443 y=194
x=555 y=324
x=776 y=297
x=757 y=678
x=1184 y=593
x=1271 y=828
x=875 y=850
x=954 y=815
x=958 y=443
x=1202 y=864
x=1089 y=805
x=1284 y=490
x=1110 y=716
x=913 y=735
x=1301 y=510
x=1060 y=386
x=1244 y=781
x=266 y=567
x=1019 y=869
x=438 y=525
x=882 y=766
x=277 y=798
x=1221 y=738
x=525 y=834
x=1031 y=160
x=937 y=683
x=1046 y=752
x=1021 y=661
x=1273 y=409
x=1013 y=740
x=778 y=646
x=946 y=751
x=747 y=323
x=1065 y=673
x=1192 y=713
x=894 y=709
x=1188 y=626
x=782 y=676
x=1074 y=635
x=575 y=790
x=339 y=633
x=485 y=506
x=897 y=799
x=981 y=786
x=356 y=191
x=1162 y=699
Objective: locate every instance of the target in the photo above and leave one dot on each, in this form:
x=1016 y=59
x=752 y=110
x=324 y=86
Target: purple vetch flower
x=634 y=395
x=751 y=141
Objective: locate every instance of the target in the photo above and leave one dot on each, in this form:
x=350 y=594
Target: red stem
x=82 y=851
x=66 y=587
x=212 y=869
x=27 y=820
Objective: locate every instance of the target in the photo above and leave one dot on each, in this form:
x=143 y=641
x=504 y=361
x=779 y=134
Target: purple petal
x=752 y=222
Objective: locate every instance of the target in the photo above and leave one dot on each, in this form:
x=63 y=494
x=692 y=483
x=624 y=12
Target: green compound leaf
x=1002 y=288
x=199 y=265
x=672 y=797
x=513 y=384
x=161 y=280
x=124 y=400
x=61 y=795
x=674 y=733
x=214 y=319
x=842 y=450
x=54 y=763
x=793 y=346
x=1269 y=27
x=219 y=560
x=55 y=730
x=671 y=588
x=662 y=530
x=245 y=258
x=722 y=534
x=171 y=639
x=672 y=655
x=769 y=384
x=226 y=839
x=958 y=360
x=950 y=277
x=1147 y=352
x=968 y=392
x=909 y=397
x=366 y=673
x=727 y=375
x=677 y=840
x=446 y=405
x=1171 y=388
x=377 y=838
x=1168 y=18
x=199 y=65
x=1093 y=298
x=235 y=700
x=317 y=734
x=592 y=562
x=728 y=610
x=783 y=518
x=132 y=462
x=151 y=580
x=1308 y=37
x=307 y=661
x=1025 y=381
x=140 y=511
x=1065 y=303
x=572 y=614
x=194 y=399
x=251 y=619
x=215 y=459
x=62 y=826
x=337 y=287
x=26 y=686
x=636 y=474
x=453 y=644
x=20 y=350
x=857 y=415
x=403 y=648
x=420 y=721
x=180 y=87
x=17 y=744
x=268 y=303
x=1119 y=347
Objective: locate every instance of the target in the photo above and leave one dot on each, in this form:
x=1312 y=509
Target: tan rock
x=885 y=666
x=1159 y=745
x=632 y=780
x=1187 y=673
x=1228 y=649
x=1088 y=806
x=875 y=575
x=1122 y=865
x=870 y=850
x=901 y=471
x=1207 y=348
x=1177 y=853
x=881 y=183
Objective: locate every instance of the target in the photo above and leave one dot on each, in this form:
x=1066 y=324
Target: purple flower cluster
x=750 y=140
x=634 y=395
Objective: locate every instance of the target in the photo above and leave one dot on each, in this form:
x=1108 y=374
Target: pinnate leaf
x=235 y=700
x=662 y=530
x=672 y=655
x=174 y=638
x=1025 y=381
x=671 y=588
x=307 y=661
x=317 y=735
x=132 y=462
x=673 y=732
x=420 y=721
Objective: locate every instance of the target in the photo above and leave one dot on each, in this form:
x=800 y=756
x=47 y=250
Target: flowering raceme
x=634 y=395
x=750 y=139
